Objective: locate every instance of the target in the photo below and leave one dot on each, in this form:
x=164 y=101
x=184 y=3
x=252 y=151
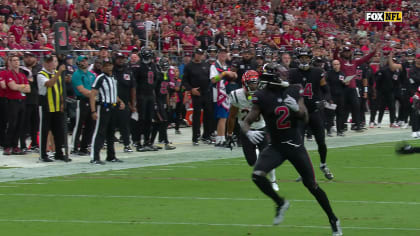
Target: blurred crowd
x=245 y=33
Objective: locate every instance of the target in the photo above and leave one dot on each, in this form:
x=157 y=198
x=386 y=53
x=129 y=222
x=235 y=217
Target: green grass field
x=375 y=192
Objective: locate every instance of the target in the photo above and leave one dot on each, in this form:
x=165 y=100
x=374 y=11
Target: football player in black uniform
x=160 y=119
x=146 y=80
x=283 y=108
x=314 y=85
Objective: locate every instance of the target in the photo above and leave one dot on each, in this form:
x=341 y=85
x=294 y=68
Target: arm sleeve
x=213 y=71
x=186 y=78
x=41 y=80
x=75 y=80
x=98 y=82
x=365 y=58
x=233 y=98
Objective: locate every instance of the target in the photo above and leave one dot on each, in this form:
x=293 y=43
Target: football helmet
x=164 y=64
x=248 y=78
x=304 y=64
x=212 y=48
x=146 y=55
x=275 y=74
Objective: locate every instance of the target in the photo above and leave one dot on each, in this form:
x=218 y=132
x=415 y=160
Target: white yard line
x=193 y=198
x=131 y=222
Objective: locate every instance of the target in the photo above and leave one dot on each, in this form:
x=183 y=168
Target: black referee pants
x=104 y=130
x=16 y=122
x=83 y=119
x=53 y=121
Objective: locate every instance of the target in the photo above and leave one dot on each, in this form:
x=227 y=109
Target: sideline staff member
x=82 y=81
x=50 y=89
x=104 y=112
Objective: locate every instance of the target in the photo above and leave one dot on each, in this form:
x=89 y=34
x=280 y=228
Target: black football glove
x=230 y=142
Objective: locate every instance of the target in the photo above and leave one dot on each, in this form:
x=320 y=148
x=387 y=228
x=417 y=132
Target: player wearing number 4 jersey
x=241 y=104
x=313 y=81
x=283 y=109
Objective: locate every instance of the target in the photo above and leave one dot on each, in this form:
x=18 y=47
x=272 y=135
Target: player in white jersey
x=241 y=104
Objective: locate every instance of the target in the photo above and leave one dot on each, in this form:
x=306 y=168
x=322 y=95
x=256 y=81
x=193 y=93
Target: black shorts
x=275 y=154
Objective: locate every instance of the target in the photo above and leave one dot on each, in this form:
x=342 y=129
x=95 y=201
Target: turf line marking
x=198 y=224
x=380 y=167
x=193 y=198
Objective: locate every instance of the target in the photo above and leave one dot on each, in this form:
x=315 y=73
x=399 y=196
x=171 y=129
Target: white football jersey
x=238 y=99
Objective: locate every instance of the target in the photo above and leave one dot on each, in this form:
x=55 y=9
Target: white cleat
x=414 y=135
x=336 y=228
x=275 y=186
x=327 y=173
x=280 y=211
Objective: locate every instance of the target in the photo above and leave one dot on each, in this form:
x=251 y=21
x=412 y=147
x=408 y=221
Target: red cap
x=178 y=24
x=418 y=56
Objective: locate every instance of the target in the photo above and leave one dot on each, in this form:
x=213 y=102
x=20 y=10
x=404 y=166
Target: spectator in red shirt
x=62 y=10
x=17 y=29
x=18 y=87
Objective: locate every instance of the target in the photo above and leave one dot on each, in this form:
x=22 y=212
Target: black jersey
x=126 y=81
x=280 y=121
x=146 y=79
x=162 y=88
x=310 y=80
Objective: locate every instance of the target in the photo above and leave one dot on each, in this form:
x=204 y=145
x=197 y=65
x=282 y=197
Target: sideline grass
x=375 y=193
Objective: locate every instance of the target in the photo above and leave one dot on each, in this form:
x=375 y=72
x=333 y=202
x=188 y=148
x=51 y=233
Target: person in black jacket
x=126 y=86
x=335 y=79
x=196 y=80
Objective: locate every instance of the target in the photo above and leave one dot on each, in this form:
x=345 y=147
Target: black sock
x=265 y=186
x=322 y=150
x=322 y=199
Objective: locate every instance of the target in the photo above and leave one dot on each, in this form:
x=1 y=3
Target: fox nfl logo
x=383 y=16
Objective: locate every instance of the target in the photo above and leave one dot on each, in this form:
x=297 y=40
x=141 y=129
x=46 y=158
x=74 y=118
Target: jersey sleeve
x=98 y=82
x=233 y=98
x=75 y=80
x=213 y=71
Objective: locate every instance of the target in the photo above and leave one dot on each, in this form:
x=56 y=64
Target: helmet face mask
x=146 y=55
x=250 y=81
x=304 y=62
x=164 y=65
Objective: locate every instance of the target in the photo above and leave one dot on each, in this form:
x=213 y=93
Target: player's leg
x=272 y=174
x=299 y=158
x=317 y=126
x=268 y=160
x=249 y=150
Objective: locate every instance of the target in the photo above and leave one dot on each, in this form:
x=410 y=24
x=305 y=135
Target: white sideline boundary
x=31 y=168
x=193 y=198
x=199 y=224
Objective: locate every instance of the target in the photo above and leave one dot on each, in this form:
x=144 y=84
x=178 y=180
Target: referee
x=104 y=111
x=82 y=81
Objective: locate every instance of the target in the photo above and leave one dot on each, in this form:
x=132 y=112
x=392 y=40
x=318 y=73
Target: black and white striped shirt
x=107 y=87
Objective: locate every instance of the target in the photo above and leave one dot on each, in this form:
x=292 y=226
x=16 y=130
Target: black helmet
x=212 y=48
x=164 y=64
x=146 y=54
x=235 y=46
x=275 y=74
x=304 y=52
x=358 y=52
x=410 y=53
